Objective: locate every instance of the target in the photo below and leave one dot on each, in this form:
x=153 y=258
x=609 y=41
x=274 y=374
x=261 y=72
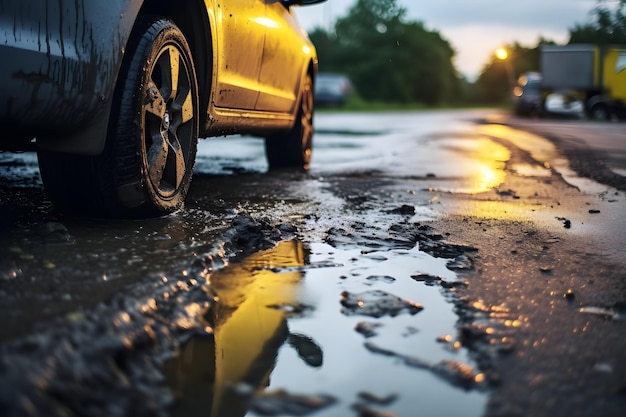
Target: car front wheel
x=293 y=148
x=146 y=167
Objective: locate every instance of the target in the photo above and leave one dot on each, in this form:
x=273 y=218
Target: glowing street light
x=502 y=54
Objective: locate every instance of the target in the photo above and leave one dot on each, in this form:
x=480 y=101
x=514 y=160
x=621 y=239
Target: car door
x=241 y=38
x=284 y=55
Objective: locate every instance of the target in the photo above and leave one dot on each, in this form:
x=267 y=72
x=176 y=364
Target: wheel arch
x=312 y=70
x=195 y=20
x=309 y=69
x=100 y=50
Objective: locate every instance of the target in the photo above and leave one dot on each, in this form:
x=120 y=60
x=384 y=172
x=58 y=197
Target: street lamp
x=503 y=55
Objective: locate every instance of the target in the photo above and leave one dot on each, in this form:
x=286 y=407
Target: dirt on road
x=500 y=295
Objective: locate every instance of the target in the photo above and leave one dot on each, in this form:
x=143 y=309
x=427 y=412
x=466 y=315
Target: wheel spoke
x=307 y=103
x=307 y=119
x=155 y=103
x=175 y=170
x=307 y=136
x=166 y=163
x=157 y=158
x=187 y=108
x=169 y=63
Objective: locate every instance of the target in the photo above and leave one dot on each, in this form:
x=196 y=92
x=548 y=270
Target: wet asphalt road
x=455 y=263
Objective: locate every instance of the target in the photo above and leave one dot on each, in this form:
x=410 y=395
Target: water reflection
x=217 y=374
x=279 y=341
x=483 y=162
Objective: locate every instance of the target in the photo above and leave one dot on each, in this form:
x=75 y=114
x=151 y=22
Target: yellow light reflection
x=121 y=319
x=247 y=327
x=268 y=23
x=484 y=162
x=490 y=177
x=148 y=306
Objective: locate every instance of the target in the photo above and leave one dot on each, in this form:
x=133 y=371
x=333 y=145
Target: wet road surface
x=440 y=262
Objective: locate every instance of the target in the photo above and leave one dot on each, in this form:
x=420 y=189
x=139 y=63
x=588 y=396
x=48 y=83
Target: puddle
x=20 y=169
x=617 y=313
x=619 y=171
x=311 y=328
x=543 y=150
x=230 y=155
x=532 y=170
x=481 y=160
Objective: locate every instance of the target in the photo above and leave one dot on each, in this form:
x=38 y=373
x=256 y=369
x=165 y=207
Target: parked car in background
x=332 y=89
x=113 y=95
x=527 y=98
x=531 y=99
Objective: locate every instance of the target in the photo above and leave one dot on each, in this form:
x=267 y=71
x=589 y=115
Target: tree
x=608 y=25
x=388 y=58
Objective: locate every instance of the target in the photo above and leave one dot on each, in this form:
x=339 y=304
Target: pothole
x=305 y=328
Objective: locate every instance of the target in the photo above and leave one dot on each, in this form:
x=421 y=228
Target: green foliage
x=608 y=25
x=387 y=58
x=395 y=62
x=495 y=81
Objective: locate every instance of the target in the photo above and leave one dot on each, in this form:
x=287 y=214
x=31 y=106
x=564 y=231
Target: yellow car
x=113 y=95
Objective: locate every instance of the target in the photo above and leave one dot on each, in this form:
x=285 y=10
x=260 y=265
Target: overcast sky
x=474 y=28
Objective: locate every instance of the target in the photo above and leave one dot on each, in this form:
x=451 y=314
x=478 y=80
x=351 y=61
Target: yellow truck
x=596 y=74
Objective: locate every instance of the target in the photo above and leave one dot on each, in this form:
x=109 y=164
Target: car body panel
x=61 y=62
x=279 y=88
x=240 y=52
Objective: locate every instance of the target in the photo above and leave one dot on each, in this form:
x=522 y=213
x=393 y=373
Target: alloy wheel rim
x=168 y=119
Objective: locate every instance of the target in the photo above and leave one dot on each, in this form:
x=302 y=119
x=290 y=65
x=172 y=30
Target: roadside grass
x=355 y=103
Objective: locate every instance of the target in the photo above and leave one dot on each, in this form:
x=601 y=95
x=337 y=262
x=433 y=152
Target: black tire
x=292 y=149
x=146 y=167
x=600 y=112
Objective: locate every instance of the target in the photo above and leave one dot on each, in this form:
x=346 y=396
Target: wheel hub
x=166 y=121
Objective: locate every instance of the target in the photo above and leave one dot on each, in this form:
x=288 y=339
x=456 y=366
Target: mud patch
x=284 y=403
x=108 y=361
x=376 y=304
x=455 y=372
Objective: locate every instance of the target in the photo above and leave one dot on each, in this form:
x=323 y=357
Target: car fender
x=59 y=81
